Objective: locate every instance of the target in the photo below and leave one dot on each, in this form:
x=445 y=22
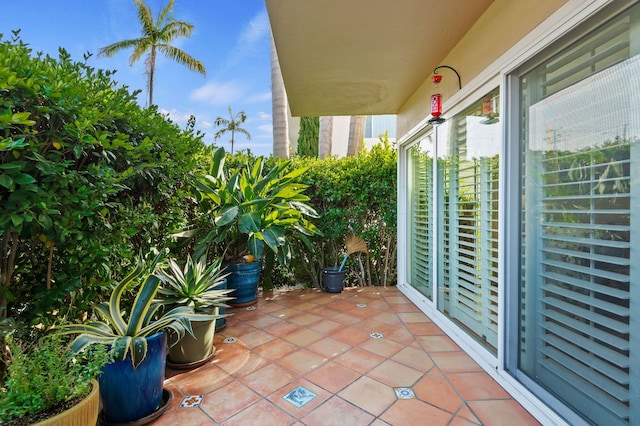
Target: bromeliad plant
x=248 y=209
x=128 y=336
x=194 y=285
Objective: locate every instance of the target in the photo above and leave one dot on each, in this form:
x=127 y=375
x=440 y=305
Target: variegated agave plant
x=129 y=335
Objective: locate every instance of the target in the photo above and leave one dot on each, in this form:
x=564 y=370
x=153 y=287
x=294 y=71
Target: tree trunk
x=325 y=141
x=356 y=135
x=279 y=108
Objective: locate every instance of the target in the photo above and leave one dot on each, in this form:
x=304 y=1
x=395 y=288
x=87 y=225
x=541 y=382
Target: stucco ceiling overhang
x=363 y=57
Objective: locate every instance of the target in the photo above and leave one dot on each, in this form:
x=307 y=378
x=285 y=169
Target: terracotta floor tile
x=255 y=338
x=228 y=400
x=337 y=412
x=332 y=376
x=438 y=392
x=399 y=334
x=263 y=321
x=285 y=313
x=236 y=328
x=301 y=361
x=415 y=358
x=461 y=421
x=281 y=328
x=268 y=379
x=466 y=413
x=208 y=379
x=424 y=329
x=302 y=337
x=326 y=326
x=475 y=386
x=359 y=360
x=304 y=319
x=379 y=305
x=277 y=398
x=415 y=412
x=378 y=422
x=413 y=317
x=329 y=347
x=262 y=413
x=371 y=325
x=387 y=318
x=394 y=374
x=275 y=349
x=506 y=412
x=455 y=362
x=351 y=335
x=396 y=299
x=269 y=306
x=184 y=416
x=437 y=343
x=242 y=364
x=404 y=307
x=346 y=319
x=382 y=347
x=370 y=395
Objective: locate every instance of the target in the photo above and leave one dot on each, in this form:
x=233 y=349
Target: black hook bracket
x=435 y=71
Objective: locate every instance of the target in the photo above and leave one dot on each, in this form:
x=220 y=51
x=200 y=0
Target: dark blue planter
x=244 y=279
x=221 y=322
x=129 y=394
x=333 y=280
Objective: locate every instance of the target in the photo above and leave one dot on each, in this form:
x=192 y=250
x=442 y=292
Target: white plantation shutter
x=581 y=129
x=421 y=217
x=469 y=196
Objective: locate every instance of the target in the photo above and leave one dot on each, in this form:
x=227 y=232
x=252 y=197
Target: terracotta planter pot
x=84 y=413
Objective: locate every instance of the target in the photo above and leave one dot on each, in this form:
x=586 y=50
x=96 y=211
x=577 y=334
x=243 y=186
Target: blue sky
x=231 y=39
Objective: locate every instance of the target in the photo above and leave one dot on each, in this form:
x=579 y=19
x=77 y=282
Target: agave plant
x=127 y=334
x=194 y=285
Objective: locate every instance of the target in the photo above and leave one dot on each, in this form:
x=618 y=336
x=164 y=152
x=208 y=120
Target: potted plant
x=131 y=387
x=45 y=384
x=197 y=286
x=251 y=212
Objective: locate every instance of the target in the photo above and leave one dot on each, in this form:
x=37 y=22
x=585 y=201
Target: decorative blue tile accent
x=375 y=335
x=191 y=401
x=299 y=396
x=404 y=393
x=230 y=340
x=361 y=305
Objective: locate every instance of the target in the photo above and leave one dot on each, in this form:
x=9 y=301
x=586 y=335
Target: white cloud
x=264 y=116
x=252 y=34
x=218 y=94
x=266 y=131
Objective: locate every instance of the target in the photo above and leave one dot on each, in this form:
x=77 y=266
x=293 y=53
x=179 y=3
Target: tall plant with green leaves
x=248 y=209
x=128 y=335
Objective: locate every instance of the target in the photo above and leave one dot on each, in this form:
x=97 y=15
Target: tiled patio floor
x=355 y=354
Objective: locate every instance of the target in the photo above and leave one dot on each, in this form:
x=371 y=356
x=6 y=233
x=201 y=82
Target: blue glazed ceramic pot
x=129 y=394
x=244 y=279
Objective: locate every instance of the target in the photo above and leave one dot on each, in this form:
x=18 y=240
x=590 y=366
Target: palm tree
x=232 y=124
x=279 y=108
x=156 y=37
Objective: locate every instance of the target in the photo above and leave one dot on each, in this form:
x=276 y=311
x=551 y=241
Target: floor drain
x=251 y=308
x=191 y=401
x=299 y=396
x=375 y=335
x=404 y=393
x=361 y=305
x=230 y=340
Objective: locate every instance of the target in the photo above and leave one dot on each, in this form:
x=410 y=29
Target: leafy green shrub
x=354 y=195
x=44 y=374
x=87 y=179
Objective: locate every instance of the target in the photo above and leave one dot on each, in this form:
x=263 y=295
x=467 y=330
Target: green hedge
x=87 y=179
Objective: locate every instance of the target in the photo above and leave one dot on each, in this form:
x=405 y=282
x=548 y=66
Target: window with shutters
x=420 y=182
x=580 y=223
x=468 y=153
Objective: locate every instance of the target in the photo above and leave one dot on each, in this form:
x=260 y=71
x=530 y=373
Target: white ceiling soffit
x=363 y=57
